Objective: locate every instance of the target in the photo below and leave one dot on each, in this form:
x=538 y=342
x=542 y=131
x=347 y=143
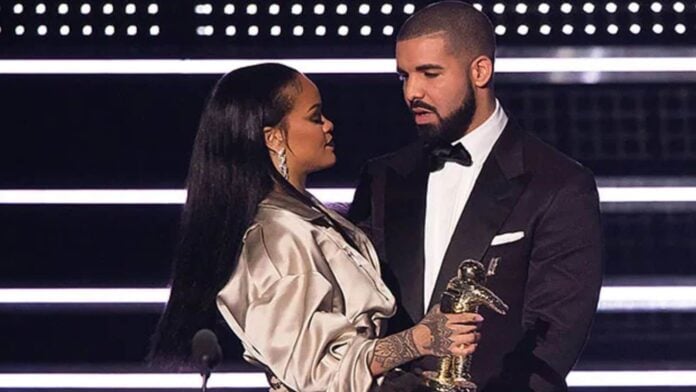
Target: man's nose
x=412 y=90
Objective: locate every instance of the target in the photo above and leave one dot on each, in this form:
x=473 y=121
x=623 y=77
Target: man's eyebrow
x=429 y=67
x=422 y=68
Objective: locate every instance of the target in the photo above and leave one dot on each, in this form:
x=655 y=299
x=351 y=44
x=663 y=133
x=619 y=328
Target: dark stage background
x=134 y=130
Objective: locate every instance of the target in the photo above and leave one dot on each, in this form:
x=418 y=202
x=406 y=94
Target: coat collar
x=279 y=200
x=409 y=159
x=507 y=151
x=317 y=214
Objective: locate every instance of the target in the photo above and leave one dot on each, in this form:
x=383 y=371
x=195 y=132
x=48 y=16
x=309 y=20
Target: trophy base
x=433 y=383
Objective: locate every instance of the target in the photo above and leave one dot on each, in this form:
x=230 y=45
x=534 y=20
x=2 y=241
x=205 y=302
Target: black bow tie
x=442 y=152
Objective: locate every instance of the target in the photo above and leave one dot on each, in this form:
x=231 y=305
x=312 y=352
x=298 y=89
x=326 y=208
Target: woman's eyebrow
x=315 y=106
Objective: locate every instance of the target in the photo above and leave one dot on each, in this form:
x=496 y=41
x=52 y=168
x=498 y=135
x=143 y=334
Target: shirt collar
x=479 y=142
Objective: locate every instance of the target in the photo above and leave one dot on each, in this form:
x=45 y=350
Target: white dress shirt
x=448 y=192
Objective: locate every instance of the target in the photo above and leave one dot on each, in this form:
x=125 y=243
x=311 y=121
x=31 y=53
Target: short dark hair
x=468 y=31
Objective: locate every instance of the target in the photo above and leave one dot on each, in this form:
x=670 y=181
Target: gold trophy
x=465 y=293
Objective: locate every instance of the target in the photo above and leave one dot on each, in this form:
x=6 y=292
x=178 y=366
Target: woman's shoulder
x=281 y=243
x=281 y=203
x=273 y=220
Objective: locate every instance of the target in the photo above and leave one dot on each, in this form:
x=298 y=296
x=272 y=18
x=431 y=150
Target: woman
x=297 y=283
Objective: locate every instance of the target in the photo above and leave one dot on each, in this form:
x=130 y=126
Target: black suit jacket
x=550 y=278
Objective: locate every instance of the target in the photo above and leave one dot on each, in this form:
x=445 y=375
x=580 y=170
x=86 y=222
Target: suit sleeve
x=565 y=277
x=289 y=326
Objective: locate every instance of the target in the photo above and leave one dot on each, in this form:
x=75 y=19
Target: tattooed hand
x=437 y=334
x=443 y=334
x=394 y=350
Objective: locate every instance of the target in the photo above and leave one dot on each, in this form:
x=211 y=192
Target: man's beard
x=454 y=126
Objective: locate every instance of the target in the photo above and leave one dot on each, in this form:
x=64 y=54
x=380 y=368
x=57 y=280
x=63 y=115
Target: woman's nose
x=328 y=125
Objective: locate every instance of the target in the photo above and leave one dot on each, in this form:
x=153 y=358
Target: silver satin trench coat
x=306 y=305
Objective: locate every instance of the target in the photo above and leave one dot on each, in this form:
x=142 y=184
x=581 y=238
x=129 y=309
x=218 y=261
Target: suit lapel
x=495 y=193
x=405 y=199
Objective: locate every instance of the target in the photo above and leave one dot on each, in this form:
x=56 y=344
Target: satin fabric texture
x=307 y=306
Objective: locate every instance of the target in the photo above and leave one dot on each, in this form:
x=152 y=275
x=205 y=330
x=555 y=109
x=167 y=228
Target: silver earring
x=283 y=163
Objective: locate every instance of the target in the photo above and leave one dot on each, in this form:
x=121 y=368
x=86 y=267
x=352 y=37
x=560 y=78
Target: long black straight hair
x=229 y=174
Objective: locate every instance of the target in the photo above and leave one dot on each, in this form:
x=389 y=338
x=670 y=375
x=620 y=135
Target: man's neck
x=484 y=110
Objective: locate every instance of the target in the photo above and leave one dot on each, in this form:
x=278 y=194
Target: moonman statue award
x=465 y=293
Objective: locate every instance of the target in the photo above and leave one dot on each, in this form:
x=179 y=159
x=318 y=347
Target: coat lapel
x=359 y=240
x=405 y=200
x=495 y=193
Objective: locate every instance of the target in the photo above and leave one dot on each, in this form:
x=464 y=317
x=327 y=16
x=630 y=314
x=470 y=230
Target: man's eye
x=431 y=75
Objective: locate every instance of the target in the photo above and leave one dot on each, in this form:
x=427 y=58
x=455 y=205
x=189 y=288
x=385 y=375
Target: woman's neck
x=298 y=181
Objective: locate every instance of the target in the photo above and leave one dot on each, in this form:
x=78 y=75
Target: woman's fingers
x=462 y=328
x=464 y=318
x=464 y=350
x=466 y=339
x=465 y=344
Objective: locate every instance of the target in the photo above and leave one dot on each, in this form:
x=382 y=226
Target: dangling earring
x=283 y=163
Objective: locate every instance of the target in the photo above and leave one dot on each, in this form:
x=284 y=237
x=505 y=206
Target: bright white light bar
x=332 y=66
x=130 y=380
x=93 y=196
x=612 y=298
x=648 y=378
x=627 y=194
x=647 y=194
x=333 y=195
x=134 y=196
x=84 y=296
x=595 y=64
x=647 y=298
x=184 y=66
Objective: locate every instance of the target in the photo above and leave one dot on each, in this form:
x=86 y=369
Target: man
x=475 y=186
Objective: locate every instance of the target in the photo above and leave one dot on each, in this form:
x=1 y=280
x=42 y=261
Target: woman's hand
x=437 y=334
x=442 y=334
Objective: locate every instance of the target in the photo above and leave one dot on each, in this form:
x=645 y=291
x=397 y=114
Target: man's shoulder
x=543 y=159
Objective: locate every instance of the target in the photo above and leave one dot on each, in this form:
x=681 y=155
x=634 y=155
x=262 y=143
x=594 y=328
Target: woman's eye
x=318 y=119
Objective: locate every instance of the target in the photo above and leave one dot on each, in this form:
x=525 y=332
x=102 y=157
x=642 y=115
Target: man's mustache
x=422 y=105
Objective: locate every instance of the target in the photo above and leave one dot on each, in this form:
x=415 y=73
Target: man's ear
x=273 y=137
x=481 y=71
